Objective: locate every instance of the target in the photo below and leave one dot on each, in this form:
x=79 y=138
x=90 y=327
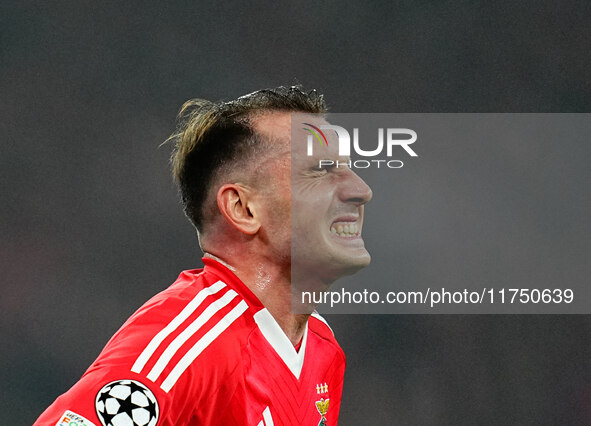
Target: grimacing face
x=326 y=203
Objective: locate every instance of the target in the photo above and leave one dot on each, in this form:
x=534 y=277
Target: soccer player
x=222 y=345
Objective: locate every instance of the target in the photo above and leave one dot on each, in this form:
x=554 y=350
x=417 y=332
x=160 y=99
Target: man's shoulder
x=197 y=326
x=196 y=294
x=181 y=349
x=318 y=325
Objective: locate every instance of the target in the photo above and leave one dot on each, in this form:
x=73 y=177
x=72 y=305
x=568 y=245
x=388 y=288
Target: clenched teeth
x=345 y=230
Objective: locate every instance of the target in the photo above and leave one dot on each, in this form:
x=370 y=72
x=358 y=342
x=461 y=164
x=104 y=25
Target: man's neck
x=272 y=286
x=217 y=259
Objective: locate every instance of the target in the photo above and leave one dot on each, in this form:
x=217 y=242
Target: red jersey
x=207 y=352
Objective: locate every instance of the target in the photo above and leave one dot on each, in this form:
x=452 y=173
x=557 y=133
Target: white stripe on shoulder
x=141 y=361
x=267 y=417
x=319 y=317
x=175 y=345
x=202 y=344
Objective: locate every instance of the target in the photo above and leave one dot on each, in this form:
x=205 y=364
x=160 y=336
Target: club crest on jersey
x=126 y=403
x=322 y=407
x=321 y=388
x=322 y=404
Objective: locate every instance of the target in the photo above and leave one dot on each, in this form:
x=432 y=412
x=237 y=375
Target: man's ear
x=235 y=204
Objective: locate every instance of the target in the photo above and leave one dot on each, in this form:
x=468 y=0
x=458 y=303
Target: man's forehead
x=288 y=129
x=273 y=124
x=278 y=124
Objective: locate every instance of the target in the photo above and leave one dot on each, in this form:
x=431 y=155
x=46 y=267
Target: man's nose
x=354 y=190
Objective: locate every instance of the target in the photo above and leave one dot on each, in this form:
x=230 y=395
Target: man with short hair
x=223 y=345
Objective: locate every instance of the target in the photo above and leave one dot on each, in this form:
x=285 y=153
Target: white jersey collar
x=281 y=343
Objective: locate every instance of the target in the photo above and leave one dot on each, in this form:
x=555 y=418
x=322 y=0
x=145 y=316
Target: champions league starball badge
x=126 y=403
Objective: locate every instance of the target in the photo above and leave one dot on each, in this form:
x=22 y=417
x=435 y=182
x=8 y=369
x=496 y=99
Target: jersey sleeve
x=104 y=394
x=155 y=371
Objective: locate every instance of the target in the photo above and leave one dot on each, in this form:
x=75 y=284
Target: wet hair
x=213 y=138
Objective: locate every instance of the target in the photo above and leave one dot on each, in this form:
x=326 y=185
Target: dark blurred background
x=91 y=226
